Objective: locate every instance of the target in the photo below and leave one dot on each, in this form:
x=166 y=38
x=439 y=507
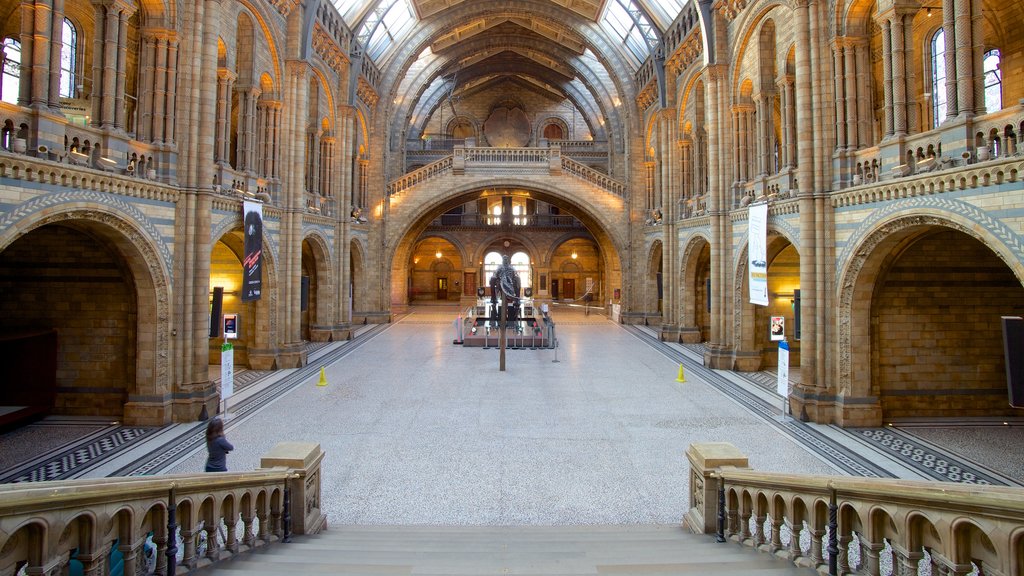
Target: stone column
x=899 y=73
x=805 y=179
x=853 y=141
x=56 y=47
x=787 y=88
x=839 y=77
x=765 y=149
x=962 y=41
x=949 y=58
x=222 y=133
x=267 y=137
x=41 y=41
x=245 y=153
x=109 y=62
x=887 y=72
x=865 y=106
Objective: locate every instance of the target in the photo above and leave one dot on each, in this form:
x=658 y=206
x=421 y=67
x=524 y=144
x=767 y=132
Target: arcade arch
x=86 y=275
x=921 y=333
x=548 y=224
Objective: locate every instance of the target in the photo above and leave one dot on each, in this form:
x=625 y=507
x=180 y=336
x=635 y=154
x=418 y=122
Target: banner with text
x=252 y=262
x=757 y=253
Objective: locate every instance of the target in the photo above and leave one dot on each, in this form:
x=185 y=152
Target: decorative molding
x=328 y=50
x=366 y=93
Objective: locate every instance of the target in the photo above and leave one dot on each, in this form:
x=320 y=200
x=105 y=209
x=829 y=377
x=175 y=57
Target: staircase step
x=522 y=550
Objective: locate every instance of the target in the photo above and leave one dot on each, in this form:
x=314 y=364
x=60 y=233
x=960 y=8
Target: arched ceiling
x=557 y=49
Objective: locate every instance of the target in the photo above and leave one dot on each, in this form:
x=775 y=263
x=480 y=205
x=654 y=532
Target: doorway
x=569 y=288
x=442 y=288
x=554 y=289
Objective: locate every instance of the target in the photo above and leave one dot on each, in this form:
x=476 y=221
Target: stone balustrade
x=862 y=525
x=49 y=527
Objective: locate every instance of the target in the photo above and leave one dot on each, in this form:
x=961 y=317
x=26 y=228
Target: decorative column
x=839 y=77
x=327 y=167
x=853 y=140
x=865 y=105
x=899 y=73
x=245 y=153
x=109 y=61
x=267 y=137
x=886 y=25
x=764 y=133
x=962 y=41
x=686 y=162
x=787 y=90
x=949 y=57
x=809 y=386
x=222 y=134
x=41 y=42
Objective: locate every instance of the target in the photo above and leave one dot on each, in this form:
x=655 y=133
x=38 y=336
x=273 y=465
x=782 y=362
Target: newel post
x=303 y=460
x=705 y=458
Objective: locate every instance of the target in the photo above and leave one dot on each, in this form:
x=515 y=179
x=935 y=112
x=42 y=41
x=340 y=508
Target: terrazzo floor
x=418 y=431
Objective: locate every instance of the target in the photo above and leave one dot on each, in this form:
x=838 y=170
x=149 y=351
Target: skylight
x=386 y=24
x=629 y=23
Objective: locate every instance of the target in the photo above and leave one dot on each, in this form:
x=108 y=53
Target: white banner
x=757 y=253
x=783 y=383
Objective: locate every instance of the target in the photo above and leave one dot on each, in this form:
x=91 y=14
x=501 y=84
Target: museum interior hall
x=737 y=281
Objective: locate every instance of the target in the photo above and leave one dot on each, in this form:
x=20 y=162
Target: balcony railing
x=489 y=220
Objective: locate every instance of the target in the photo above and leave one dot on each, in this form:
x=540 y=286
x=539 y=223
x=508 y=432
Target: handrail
x=953 y=527
x=154 y=524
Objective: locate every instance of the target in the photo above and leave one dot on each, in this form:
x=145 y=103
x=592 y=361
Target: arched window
x=68 y=59
x=938 y=78
x=521 y=262
x=11 y=71
x=993 y=82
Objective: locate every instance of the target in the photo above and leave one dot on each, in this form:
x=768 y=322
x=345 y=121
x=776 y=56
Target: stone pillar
x=787 y=88
x=245 y=153
x=839 y=81
x=853 y=140
x=222 y=133
x=765 y=133
x=268 y=138
x=705 y=459
x=898 y=56
x=949 y=57
x=41 y=41
x=805 y=179
x=865 y=106
x=109 y=62
x=887 y=72
x=961 y=41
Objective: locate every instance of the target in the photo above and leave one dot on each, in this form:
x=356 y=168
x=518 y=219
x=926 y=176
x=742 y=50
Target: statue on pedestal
x=505 y=280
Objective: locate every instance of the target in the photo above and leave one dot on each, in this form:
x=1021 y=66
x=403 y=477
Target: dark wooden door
x=442 y=288
x=569 y=289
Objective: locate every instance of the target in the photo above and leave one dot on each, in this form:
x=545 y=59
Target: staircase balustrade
x=870 y=526
x=162 y=525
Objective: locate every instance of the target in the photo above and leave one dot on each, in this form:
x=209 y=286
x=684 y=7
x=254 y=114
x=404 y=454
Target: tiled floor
x=419 y=431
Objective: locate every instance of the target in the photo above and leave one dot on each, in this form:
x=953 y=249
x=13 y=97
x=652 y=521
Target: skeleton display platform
x=529 y=329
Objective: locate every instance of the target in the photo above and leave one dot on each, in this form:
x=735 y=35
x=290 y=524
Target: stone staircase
x=547 y=551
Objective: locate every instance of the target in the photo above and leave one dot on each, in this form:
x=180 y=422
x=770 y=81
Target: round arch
x=128 y=234
x=871 y=251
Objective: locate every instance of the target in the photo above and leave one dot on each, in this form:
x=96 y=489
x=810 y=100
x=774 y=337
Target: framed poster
x=778 y=328
x=230 y=326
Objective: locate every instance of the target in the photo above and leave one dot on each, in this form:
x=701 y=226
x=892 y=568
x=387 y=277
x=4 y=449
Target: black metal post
x=833 y=536
x=172 y=534
x=721 y=511
x=287 y=513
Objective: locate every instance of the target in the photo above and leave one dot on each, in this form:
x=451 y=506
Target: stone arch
x=263 y=324
x=131 y=235
x=542 y=128
x=868 y=252
x=695 y=275
x=357 y=274
x=319 y=315
x=415 y=212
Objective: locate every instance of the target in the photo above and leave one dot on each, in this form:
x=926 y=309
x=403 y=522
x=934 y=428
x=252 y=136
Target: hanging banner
x=757 y=253
x=783 y=382
x=252 y=262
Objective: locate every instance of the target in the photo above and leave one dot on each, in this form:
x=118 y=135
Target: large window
x=632 y=27
x=68 y=60
x=520 y=261
x=388 y=21
x=11 y=71
x=993 y=82
x=938 y=78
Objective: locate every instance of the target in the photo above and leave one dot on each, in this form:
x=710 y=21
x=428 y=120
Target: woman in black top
x=217 y=447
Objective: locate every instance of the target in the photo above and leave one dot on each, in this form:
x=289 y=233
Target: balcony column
x=222 y=135
x=686 y=169
x=839 y=80
x=764 y=133
x=864 y=100
x=42 y=22
x=887 y=72
x=267 y=141
x=787 y=95
x=329 y=168
x=967 y=74
x=109 y=62
x=853 y=137
x=795 y=551
x=245 y=153
x=899 y=74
